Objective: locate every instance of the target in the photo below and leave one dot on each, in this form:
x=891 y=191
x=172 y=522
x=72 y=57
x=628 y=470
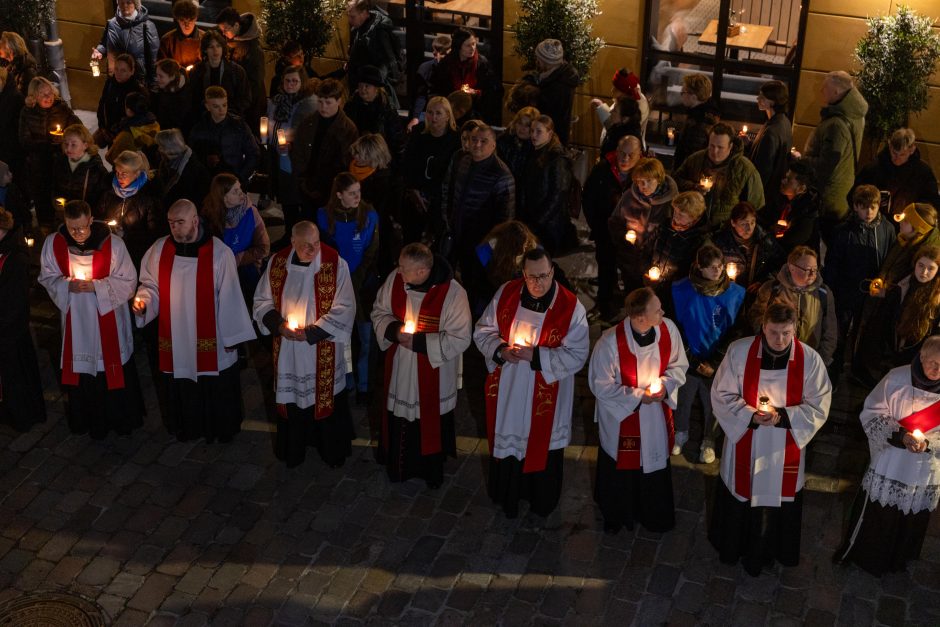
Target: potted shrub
x=566 y=20
x=311 y=23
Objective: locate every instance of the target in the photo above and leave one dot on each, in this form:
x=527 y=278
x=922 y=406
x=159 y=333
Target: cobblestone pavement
x=162 y=533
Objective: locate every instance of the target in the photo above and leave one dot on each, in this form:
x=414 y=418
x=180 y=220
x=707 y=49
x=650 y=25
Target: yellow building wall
x=832 y=28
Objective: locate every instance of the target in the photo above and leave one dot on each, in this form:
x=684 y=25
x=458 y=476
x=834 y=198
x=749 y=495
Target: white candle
x=744 y=129
x=81 y=275
x=630 y=236
x=918 y=435
x=30 y=242
x=707 y=182
x=189 y=68
x=671 y=135
x=95 y=68
x=263 y=129
x=764 y=405
x=112 y=222
x=654 y=273
x=656 y=386
x=60 y=203
x=281 y=137
x=410 y=326
x=783 y=224
x=898 y=217
x=292 y=323
x=732 y=270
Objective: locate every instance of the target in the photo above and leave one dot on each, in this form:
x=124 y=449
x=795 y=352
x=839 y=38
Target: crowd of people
x=751 y=274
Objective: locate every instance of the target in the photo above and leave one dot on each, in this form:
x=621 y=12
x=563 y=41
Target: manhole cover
x=52 y=609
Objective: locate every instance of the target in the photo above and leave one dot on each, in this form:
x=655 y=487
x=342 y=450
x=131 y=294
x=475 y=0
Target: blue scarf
x=130 y=190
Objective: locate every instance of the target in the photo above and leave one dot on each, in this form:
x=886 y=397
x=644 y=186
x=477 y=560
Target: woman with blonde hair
x=42 y=122
x=132 y=206
x=514 y=146
x=77 y=171
x=20 y=64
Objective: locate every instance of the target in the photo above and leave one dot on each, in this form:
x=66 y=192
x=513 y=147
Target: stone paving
x=165 y=533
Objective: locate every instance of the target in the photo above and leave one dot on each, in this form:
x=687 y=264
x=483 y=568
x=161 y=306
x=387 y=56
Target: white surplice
x=111 y=294
x=768 y=443
x=616 y=400
x=896 y=477
x=297 y=360
x=517 y=381
x=445 y=348
x=232 y=323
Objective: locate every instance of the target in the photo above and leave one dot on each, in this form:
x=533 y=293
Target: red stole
x=324 y=285
x=107 y=324
x=207 y=359
x=628 y=447
x=924 y=419
x=544 y=396
x=742 y=449
x=429 y=379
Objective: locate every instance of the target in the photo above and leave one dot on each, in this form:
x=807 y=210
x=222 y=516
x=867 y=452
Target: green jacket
x=833 y=151
x=734 y=180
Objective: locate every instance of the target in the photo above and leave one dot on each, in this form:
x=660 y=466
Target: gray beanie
x=550 y=52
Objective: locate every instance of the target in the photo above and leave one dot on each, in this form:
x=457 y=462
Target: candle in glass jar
x=706 y=182
x=409 y=326
x=654 y=273
x=656 y=386
x=671 y=135
x=138 y=302
x=744 y=129
x=263 y=130
x=732 y=270
x=60 y=203
x=30 y=242
x=630 y=236
x=763 y=405
x=81 y=275
x=281 y=137
x=292 y=323
x=918 y=435
x=95 y=68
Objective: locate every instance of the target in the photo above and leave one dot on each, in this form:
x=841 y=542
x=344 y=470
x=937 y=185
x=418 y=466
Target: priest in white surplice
x=902 y=484
x=771 y=395
x=636 y=371
x=534 y=337
x=305 y=300
x=422 y=322
x=90 y=277
x=189 y=283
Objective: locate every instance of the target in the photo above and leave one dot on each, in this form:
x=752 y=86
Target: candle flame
x=112 y=222
x=81 y=275
x=654 y=273
x=410 y=326
x=744 y=129
x=30 y=241
x=732 y=270
x=292 y=323
x=656 y=386
x=630 y=236
x=919 y=435
x=898 y=217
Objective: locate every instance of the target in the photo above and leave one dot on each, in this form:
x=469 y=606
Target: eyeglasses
x=79 y=229
x=538 y=278
x=807 y=271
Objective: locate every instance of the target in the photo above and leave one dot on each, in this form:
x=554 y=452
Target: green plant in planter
x=897 y=57
x=26 y=17
x=308 y=22
x=566 y=20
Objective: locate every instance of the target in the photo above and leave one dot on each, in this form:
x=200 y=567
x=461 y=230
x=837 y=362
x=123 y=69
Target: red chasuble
x=429 y=380
x=324 y=285
x=207 y=359
x=742 y=449
x=107 y=324
x=628 y=447
x=544 y=396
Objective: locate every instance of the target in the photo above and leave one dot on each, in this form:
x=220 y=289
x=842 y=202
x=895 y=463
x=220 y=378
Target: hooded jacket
x=374 y=44
x=556 y=96
x=477 y=195
x=770 y=151
x=913 y=181
x=232 y=78
x=833 y=150
x=816 y=324
x=756 y=263
x=245 y=50
x=694 y=134
x=137 y=37
x=855 y=254
x=735 y=179
x=231 y=141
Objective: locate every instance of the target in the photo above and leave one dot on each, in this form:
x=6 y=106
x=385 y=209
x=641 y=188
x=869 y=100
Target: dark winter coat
x=11 y=104
x=901 y=256
x=451 y=74
x=602 y=191
x=232 y=79
x=378 y=116
x=137 y=37
x=373 y=43
x=673 y=251
x=21 y=71
x=478 y=195
x=184 y=50
x=36 y=123
x=756 y=263
x=514 y=152
x=17 y=202
x=426 y=160
x=111 y=104
x=855 y=254
x=174 y=109
x=694 y=134
x=228 y=146
x=87 y=182
x=191 y=184
x=735 y=179
x=139 y=216
x=643 y=215
x=245 y=50
x=770 y=151
x=542 y=196
x=801 y=215
x=317 y=156
x=556 y=96
x=914 y=181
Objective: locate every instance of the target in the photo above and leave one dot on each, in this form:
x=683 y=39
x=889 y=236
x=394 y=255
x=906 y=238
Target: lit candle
x=263 y=130
x=81 y=275
x=744 y=129
x=58 y=130
x=281 y=137
x=410 y=326
x=654 y=273
x=520 y=340
x=465 y=88
x=732 y=270
x=189 y=68
x=292 y=323
x=630 y=236
x=60 y=203
x=918 y=435
x=30 y=242
x=706 y=182
x=138 y=302
x=898 y=217
x=95 y=68
x=763 y=405
x=782 y=225
x=112 y=222
x=876 y=286
x=671 y=135
x=656 y=386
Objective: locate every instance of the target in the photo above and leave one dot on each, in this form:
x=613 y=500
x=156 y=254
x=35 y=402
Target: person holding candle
x=707 y=305
x=182 y=43
x=758 y=504
x=171 y=98
x=900 y=172
x=671 y=248
x=465 y=69
x=793 y=214
x=189 y=284
x=40 y=135
x=900 y=488
x=530 y=388
x=222 y=140
x=371 y=110
x=131 y=32
x=305 y=300
x=112 y=104
x=22 y=404
x=216 y=71
x=422 y=367
x=78 y=172
x=770 y=150
x=744 y=242
x=181 y=174
x=637 y=369
x=133 y=204
x=89 y=275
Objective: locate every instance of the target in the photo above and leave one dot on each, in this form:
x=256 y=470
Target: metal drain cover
x=52 y=609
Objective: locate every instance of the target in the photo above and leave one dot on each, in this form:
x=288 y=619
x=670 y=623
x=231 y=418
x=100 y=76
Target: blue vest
x=704 y=319
x=239 y=237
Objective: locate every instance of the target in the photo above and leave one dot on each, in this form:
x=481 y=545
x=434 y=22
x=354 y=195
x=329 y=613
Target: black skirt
x=332 y=436
x=508 y=485
x=210 y=407
x=628 y=496
x=21 y=400
x=96 y=410
x=403 y=459
x=755 y=535
x=881 y=539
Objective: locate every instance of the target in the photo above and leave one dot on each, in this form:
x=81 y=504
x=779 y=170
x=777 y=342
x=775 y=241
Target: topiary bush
x=311 y=23
x=566 y=20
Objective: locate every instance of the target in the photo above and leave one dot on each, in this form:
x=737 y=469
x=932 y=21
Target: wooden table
x=755 y=37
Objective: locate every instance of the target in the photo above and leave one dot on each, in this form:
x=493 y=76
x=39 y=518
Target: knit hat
x=627 y=83
x=912 y=215
x=371 y=75
x=6 y=220
x=550 y=52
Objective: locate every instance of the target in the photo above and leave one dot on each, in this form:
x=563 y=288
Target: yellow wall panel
x=512 y=63
x=808 y=98
x=858 y=8
x=619 y=22
x=830 y=42
x=84 y=88
x=926 y=124
x=930 y=153
x=510 y=12
x=87 y=11
x=608 y=61
x=77 y=42
x=248 y=6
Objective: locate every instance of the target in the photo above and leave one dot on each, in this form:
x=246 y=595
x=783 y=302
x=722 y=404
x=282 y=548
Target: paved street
x=162 y=533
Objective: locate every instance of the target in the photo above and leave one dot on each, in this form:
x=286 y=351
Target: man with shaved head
x=189 y=283
x=305 y=300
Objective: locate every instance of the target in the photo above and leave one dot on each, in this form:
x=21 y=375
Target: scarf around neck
x=706 y=287
x=74 y=164
x=234 y=215
x=130 y=190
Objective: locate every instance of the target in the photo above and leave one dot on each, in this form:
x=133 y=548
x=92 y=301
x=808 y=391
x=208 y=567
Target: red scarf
x=628 y=447
x=742 y=449
x=107 y=323
x=207 y=359
x=324 y=285
x=544 y=396
x=464 y=72
x=429 y=379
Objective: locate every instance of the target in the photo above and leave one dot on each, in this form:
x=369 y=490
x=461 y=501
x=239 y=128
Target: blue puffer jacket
x=138 y=37
x=705 y=321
